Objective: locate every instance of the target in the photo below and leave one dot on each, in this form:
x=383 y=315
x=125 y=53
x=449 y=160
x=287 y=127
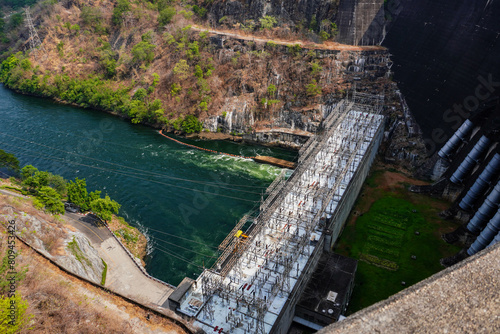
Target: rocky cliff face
x=359 y=22
x=72 y=250
x=294 y=121
x=291 y=12
x=240 y=82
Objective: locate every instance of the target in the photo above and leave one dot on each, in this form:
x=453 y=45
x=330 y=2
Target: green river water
x=184 y=200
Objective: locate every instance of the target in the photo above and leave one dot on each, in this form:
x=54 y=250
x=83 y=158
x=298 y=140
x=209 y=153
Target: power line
x=34 y=39
x=136 y=169
x=185 y=239
x=184 y=248
x=136 y=177
x=145 y=149
x=178 y=257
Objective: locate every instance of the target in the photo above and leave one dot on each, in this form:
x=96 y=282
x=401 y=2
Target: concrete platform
x=275 y=162
x=461 y=299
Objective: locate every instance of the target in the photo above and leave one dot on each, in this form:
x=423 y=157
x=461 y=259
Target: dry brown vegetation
x=237 y=75
x=61 y=303
x=130 y=236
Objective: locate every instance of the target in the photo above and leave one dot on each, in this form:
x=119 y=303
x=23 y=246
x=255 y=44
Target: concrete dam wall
x=447 y=57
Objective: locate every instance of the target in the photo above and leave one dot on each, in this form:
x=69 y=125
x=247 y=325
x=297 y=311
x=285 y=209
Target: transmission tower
x=34 y=40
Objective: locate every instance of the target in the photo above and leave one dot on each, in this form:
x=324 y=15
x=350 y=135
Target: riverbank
x=55 y=301
x=162 y=186
x=129 y=236
x=53 y=293
x=80 y=246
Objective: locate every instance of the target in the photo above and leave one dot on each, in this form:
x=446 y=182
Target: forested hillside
x=155 y=62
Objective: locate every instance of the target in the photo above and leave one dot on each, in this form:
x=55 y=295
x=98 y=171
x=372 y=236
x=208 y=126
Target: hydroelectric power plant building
x=259 y=277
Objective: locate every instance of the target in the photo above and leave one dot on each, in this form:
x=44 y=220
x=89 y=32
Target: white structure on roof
x=256 y=282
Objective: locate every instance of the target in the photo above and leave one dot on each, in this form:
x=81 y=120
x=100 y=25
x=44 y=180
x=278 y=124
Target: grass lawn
x=381 y=235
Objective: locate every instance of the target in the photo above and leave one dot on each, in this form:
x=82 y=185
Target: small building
x=174 y=300
x=328 y=292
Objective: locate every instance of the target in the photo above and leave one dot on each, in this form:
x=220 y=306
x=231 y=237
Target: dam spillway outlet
x=256 y=282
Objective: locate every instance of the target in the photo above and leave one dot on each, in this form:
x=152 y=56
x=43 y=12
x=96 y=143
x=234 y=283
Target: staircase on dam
x=259 y=277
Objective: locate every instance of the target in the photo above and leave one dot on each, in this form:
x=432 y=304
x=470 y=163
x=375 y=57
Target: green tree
x=16 y=20
x=91 y=16
x=75 y=28
x=175 y=89
x=107 y=58
x=38 y=180
x=198 y=72
x=28 y=171
x=58 y=183
x=104 y=208
x=33 y=180
x=313 y=25
x=200 y=11
x=140 y=94
x=8 y=65
x=181 y=69
x=78 y=195
x=162 y=4
x=324 y=35
x=271 y=90
x=144 y=50
x=267 y=22
x=93 y=195
x=156 y=79
x=32 y=183
x=9 y=161
x=315 y=68
x=13 y=315
x=193 y=50
x=60 y=48
x=51 y=200
x=191 y=124
x=295 y=49
x=335 y=29
x=313 y=88
x=121 y=7
x=166 y=16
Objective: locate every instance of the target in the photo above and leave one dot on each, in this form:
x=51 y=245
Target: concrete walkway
x=123 y=275
x=11 y=193
x=125 y=278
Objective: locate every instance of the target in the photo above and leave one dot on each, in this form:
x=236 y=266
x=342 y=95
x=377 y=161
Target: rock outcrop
x=71 y=250
x=359 y=22
x=292 y=12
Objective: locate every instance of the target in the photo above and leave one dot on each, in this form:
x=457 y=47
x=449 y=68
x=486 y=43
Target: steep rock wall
x=361 y=22
x=72 y=250
x=288 y=11
x=295 y=121
x=441 y=48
